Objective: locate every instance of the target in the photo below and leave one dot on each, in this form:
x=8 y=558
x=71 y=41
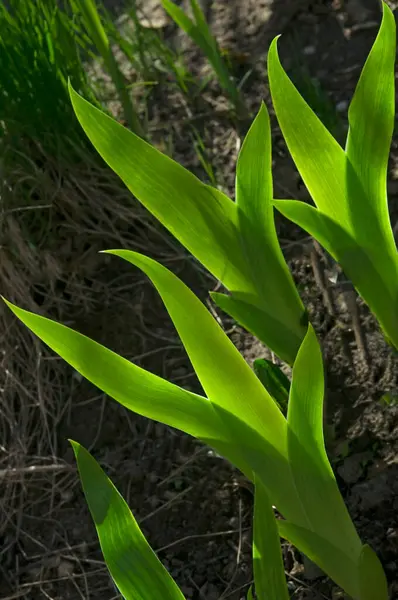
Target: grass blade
x=268 y=567
x=133 y=565
x=199 y=31
x=100 y=39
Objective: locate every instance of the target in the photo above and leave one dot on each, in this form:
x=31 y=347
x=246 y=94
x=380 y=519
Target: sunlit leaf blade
x=365 y=274
x=340 y=566
x=224 y=374
x=305 y=408
x=135 y=388
x=256 y=426
x=373 y=583
x=319 y=158
x=350 y=188
x=269 y=573
x=207 y=223
x=97 y=35
x=153 y=397
x=267 y=327
x=371 y=121
x=250 y=593
x=202 y=218
x=133 y=565
x=311 y=470
x=181 y=19
x=264 y=256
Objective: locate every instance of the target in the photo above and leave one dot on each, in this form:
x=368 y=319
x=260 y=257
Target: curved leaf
x=373 y=583
x=340 y=566
x=135 y=388
x=349 y=188
x=371 y=121
x=380 y=295
x=224 y=374
x=319 y=158
x=202 y=218
x=267 y=327
x=266 y=263
x=268 y=567
x=133 y=565
x=310 y=466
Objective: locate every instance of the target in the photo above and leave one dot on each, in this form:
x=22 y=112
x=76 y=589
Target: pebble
x=309 y=50
x=342 y=106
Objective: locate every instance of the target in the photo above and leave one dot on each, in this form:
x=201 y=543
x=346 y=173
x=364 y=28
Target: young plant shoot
x=350 y=218
x=269 y=428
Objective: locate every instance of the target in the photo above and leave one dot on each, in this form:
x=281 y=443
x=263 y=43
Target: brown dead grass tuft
x=53 y=221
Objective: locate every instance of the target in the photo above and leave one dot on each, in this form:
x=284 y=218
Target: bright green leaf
x=349 y=188
x=132 y=563
x=356 y=261
x=311 y=470
x=135 y=388
x=371 y=122
x=265 y=326
x=265 y=260
x=269 y=572
x=211 y=226
x=319 y=158
x=341 y=566
x=224 y=374
x=373 y=583
x=202 y=218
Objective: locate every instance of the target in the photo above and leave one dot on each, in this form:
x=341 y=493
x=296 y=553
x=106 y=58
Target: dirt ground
x=194 y=508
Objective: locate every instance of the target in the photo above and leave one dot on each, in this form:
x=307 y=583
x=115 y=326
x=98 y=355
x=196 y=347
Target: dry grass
x=54 y=220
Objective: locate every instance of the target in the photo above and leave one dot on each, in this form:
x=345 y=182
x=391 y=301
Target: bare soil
x=193 y=506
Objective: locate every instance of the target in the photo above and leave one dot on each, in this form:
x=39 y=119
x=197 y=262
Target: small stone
x=342 y=106
x=309 y=50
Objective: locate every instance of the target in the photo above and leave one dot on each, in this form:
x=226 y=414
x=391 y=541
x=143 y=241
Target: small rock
x=309 y=50
x=342 y=106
